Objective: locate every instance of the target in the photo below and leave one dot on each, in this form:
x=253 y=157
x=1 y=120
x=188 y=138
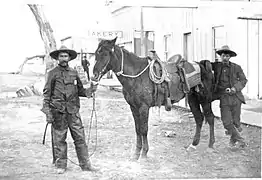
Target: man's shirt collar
x=63 y=68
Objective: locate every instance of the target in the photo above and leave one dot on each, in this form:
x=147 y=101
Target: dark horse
x=139 y=91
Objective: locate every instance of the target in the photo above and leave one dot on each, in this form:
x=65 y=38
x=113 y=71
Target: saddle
x=181 y=76
x=189 y=72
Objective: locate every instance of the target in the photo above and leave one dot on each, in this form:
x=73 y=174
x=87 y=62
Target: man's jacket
x=62 y=90
x=237 y=79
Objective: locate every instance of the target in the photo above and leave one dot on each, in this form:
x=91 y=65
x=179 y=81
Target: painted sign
x=105 y=34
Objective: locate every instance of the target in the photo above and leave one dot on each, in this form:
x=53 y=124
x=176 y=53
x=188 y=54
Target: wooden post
x=142 y=33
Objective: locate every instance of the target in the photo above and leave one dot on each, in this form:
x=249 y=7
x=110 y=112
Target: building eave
x=66 y=38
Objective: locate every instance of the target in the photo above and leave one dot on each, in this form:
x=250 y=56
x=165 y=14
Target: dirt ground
x=23 y=156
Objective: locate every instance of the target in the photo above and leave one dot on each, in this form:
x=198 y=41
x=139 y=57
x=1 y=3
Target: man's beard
x=225 y=61
x=63 y=63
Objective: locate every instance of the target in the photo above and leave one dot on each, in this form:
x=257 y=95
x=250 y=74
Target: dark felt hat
x=225 y=49
x=152 y=50
x=72 y=53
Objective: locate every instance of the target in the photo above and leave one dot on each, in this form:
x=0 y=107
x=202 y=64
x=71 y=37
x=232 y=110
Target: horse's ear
x=113 y=41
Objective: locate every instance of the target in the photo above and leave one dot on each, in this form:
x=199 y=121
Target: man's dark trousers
x=63 y=121
x=230 y=108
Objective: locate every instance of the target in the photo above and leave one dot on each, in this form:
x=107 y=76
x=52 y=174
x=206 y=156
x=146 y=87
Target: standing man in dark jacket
x=85 y=63
x=61 y=105
x=229 y=81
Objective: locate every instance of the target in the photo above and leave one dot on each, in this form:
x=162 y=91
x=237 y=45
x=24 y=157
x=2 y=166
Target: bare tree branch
x=46 y=33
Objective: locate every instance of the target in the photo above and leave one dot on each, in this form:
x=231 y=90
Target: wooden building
x=196 y=30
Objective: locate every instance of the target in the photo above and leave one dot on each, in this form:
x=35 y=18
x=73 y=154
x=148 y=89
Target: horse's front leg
x=136 y=116
x=144 y=113
x=208 y=113
x=195 y=108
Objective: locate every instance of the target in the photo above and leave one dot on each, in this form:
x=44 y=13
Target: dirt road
x=22 y=155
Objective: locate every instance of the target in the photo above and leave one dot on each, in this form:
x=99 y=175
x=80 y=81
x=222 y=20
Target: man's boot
x=88 y=167
x=236 y=139
x=83 y=158
x=238 y=127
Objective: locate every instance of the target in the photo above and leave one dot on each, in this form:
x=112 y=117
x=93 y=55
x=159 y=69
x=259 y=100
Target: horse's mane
x=103 y=43
x=206 y=68
x=133 y=55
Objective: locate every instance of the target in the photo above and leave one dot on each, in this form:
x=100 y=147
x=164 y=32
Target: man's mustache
x=63 y=61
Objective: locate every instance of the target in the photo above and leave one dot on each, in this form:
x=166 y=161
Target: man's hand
x=49 y=118
x=93 y=86
x=233 y=90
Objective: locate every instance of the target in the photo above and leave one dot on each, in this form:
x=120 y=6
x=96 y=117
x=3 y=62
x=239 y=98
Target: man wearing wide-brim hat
x=61 y=105
x=229 y=81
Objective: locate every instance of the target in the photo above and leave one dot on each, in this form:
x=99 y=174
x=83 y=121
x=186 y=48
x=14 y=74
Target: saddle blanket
x=193 y=74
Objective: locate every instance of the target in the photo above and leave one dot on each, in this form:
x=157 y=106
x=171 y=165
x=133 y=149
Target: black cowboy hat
x=152 y=50
x=72 y=53
x=225 y=49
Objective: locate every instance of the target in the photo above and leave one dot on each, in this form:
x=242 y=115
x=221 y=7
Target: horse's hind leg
x=144 y=113
x=210 y=119
x=195 y=108
x=136 y=116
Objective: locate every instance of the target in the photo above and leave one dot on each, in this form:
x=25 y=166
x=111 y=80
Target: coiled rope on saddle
x=157 y=66
x=153 y=76
x=156 y=79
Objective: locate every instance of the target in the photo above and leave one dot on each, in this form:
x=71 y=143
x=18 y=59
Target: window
x=188 y=48
x=218 y=40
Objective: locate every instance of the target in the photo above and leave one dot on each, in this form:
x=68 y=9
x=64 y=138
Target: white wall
x=240 y=37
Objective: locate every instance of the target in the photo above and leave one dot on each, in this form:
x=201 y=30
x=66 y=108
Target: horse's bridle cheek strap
x=113 y=55
x=105 y=67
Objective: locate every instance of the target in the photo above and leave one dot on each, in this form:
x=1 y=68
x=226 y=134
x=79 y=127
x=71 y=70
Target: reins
x=93 y=113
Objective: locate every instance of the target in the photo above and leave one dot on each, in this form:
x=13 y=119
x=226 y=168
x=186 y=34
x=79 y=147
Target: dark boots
x=83 y=158
x=238 y=128
x=235 y=138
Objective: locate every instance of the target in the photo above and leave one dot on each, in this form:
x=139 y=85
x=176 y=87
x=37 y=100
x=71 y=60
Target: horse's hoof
x=241 y=144
x=211 y=150
x=211 y=145
x=191 y=147
x=135 y=157
x=168 y=108
x=144 y=157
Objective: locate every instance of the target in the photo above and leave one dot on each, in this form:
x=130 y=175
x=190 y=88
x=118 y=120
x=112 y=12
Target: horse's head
x=103 y=56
